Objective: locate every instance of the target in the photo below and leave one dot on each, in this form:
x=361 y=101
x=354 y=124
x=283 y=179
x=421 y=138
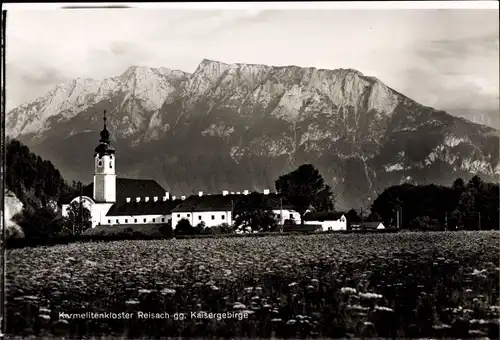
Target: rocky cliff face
x=240 y=126
x=13 y=206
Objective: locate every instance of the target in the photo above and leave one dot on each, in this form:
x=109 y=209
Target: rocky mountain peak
x=344 y=88
x=135 y=70
x=141 y=88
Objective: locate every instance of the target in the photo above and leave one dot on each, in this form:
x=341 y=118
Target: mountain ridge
x=89 y=92
x=253 y=122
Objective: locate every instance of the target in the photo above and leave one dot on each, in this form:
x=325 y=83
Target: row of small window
x=188 y=215
x=199 y=217
x=135 y=220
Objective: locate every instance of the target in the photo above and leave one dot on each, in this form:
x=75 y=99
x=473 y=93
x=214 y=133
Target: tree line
x=461 y=206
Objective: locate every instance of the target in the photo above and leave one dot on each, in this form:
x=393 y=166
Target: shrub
x=425 y=223
x=40 y=223
x=224 y=228
x=184 y=227
x=166 y=230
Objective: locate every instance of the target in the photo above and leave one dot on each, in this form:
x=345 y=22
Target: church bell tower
x=104 y=169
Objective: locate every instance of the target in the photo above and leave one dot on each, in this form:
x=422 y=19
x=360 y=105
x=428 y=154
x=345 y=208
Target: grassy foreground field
x=387 y=285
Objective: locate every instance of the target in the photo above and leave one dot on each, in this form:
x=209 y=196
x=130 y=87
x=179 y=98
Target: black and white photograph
x=300 y=170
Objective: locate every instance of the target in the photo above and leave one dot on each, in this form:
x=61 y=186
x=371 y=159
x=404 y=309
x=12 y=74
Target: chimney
x=137 y=199
x=266 y=191
x=146 y=199
x=167 y=195
x=128 y=199
x=173 y=198
x=200 y=193
x=225 y=192
x=183 y=198
x=245 y=192
x=238 y=193
x=155 y=198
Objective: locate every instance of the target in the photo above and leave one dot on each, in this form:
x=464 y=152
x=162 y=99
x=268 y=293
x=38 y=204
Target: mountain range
x=239 y=126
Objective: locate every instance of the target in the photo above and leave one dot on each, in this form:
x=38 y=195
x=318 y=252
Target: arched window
x=99 y=163
x=111 y=165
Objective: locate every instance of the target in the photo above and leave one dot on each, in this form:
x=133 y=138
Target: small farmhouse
x=327 y=220
x=368 y=226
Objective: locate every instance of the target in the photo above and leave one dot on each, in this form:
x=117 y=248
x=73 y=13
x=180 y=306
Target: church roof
x=142 y=208
x=219 y=202
x=125 y=187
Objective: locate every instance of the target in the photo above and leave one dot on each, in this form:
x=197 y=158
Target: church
x=113 y=200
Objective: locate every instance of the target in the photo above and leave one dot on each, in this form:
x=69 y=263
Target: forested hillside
x=34 y=181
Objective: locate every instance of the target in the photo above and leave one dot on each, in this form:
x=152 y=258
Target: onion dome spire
x=104 y=132
x=104 y=147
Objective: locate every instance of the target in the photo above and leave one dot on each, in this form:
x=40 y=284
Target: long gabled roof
x=219 y=202
x=324 y=216
x=125 y=187
x=143 y=208
x=207 y=203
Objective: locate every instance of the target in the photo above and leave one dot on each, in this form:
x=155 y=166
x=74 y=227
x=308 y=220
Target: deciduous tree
x=305 y=188
x=79 y=218
x=255 y=213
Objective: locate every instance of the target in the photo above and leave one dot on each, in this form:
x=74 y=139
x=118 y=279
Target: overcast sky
x=442 y=58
